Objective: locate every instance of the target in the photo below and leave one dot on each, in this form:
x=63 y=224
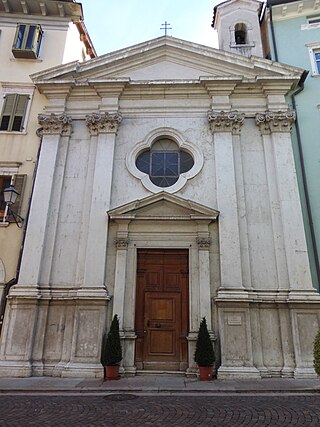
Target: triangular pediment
x=165 y=58
x=163 y=206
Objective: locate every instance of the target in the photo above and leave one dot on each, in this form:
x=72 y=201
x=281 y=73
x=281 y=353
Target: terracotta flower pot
x=205 y=373
x=112 y=372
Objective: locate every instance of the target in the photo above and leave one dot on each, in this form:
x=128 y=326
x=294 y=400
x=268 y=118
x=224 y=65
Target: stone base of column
x=238 y=372
x=128 y=371
x=13 y=368
x=83 y=370
x=61 y=335
x=304 y=373
x=304 y=296
x=287 y=372
x=69 y=370
x=230 y=294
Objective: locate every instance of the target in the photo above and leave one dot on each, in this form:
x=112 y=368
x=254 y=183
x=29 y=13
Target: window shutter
x=7 y=111
x=18 y=40
x=20 y=110
x=19 y=184
x=37 y=40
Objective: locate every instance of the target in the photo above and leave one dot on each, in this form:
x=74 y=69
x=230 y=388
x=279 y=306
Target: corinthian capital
x=225 y=121
x=275 y=121
x=103 y=122
x=203 y=242
x=121 y=242
x=54 y=124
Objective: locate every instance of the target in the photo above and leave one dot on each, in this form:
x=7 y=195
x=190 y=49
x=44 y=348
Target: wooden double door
x=162 y=309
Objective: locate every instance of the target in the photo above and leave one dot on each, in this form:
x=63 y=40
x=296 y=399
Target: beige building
x=165 y=191
x=34 y=35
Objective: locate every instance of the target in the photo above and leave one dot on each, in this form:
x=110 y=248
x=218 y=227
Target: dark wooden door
x=162 y=309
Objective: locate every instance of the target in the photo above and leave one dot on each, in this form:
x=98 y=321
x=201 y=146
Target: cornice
x=211 y=63
x=43 y=8
x=284 y=10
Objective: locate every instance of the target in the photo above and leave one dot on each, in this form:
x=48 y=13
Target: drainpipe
x=14 y=281
x=274 y=45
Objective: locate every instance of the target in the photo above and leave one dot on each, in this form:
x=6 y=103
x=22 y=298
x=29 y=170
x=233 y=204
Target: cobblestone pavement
x=158 y=410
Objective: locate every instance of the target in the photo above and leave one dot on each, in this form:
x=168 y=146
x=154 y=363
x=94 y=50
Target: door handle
x=158 y=325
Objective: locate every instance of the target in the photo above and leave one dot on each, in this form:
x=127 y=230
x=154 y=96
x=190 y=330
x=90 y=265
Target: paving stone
x=160 y=411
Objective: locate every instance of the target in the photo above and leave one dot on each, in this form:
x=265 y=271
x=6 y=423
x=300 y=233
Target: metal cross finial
x=165 y=27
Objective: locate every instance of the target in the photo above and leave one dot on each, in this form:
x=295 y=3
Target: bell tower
x=238 y=26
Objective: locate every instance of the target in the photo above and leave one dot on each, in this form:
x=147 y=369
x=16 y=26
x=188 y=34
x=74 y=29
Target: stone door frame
x=184 y=230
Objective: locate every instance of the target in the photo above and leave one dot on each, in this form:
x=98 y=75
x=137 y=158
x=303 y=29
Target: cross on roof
x=165 y=27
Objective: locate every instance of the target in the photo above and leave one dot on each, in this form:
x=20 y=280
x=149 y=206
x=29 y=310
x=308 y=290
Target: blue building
x=294 y=38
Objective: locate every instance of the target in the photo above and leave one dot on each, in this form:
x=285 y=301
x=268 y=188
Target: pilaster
x=121 y=242
x=103 y=128
x=278 y=125
x=55 y=130
x=223 y=126
x=263 y=122
x=204 y=241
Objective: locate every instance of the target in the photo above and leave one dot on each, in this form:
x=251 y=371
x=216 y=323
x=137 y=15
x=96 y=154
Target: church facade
x=166 y=191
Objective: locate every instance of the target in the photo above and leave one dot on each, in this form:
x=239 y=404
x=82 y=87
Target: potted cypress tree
x=316 y=353
x=111 y=353
x=204 y=355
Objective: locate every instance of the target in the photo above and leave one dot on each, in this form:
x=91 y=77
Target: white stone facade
x=236 y=211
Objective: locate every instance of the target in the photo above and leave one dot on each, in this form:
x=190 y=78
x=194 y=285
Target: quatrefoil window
x=164 y=162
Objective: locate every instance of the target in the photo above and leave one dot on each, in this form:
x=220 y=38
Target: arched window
x=164 y=162
x=240 y=33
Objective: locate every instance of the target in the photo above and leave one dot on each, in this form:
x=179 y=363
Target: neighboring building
x=34 y=35
x=294 y=35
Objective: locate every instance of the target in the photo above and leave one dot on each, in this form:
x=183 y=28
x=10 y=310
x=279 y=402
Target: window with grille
x=13 y=112
x=27 y=41
x=164 y=162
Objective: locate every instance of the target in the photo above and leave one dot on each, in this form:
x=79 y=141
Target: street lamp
x=10 y=195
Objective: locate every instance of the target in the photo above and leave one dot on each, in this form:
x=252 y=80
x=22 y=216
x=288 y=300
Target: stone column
x=284 y=195
x=119 y=298
x=103 y=127
x=204 y=241
x=54 y=128
x=223 y=125
x=121 y=242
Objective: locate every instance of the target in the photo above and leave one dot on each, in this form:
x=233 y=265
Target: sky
x=116 y=24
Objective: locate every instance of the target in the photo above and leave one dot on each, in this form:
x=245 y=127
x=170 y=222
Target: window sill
x=310 y=26
x=245 y=45
x=26 y=59
x=317 y=75
x=12 y=132
x=4 y=224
